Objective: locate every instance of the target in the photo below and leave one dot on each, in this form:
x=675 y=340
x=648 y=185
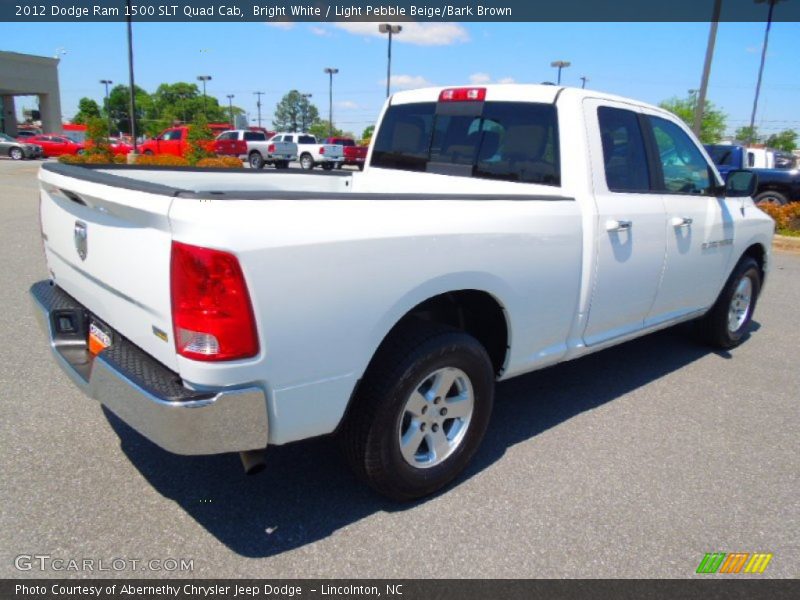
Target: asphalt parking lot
x=633 y=462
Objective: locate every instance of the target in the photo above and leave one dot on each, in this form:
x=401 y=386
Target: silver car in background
x=18 y=150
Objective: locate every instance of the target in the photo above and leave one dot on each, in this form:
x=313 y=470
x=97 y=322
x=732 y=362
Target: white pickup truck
x=312 y=152
x=261 y=152
x=494 y=231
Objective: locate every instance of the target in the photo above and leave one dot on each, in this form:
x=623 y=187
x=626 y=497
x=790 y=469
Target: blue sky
x=647 y=61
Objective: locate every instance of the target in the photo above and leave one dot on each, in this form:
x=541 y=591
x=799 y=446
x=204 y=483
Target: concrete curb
x=786 y=243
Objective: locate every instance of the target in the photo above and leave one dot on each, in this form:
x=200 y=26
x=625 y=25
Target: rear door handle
x=681 y=221
x=615 y=225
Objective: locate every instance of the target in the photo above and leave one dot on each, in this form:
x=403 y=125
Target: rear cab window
x=509 y=141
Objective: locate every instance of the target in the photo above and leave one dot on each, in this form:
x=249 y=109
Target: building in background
x=28 y=75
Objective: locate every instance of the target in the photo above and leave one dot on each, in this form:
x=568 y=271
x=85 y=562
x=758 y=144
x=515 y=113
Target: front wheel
x=726 y=324
x=306 y=162
x=16 y=153
x=771 y=197
x=256 y=160
x=420 y=412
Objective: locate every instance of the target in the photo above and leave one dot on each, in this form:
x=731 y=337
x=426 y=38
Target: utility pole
x=305 y=109
x=584 y=79
x=772 y=4
x=258 y=105
x=204 y=79
x=700 y=103
x=230 y=109
x=331 y=71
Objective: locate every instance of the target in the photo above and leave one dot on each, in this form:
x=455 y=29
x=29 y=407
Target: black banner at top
x=424 y=11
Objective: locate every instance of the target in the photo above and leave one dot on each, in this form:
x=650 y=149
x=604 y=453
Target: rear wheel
x=725 y=325
x=256 y=160
x=16 y=153
x=420 y=412
x=771 y=197
x=306 y=162
x=327 y=166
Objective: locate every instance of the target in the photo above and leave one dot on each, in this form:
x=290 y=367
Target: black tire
x=771 y=197
x=714 y=327
x=327 y=166
x=255 y=160
x=16 y=154
x=306 y=162
x=339 y=166
x=148 y=153
x=360 y=166
x=370 y=435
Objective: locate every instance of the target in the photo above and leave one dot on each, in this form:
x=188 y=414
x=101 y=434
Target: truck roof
x=510 y=92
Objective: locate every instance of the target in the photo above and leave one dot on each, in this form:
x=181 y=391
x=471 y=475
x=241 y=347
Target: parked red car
x=174 y=141
x=118 y=147
x=353 y=154
x=55 y=145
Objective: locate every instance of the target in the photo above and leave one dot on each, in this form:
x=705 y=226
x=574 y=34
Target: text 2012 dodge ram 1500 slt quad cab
x=495 y=230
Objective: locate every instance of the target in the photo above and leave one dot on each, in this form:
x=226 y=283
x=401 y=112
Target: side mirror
x=741 y=184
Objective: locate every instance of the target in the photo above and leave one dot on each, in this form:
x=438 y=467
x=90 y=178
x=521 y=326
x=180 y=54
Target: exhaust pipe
x=252 y=461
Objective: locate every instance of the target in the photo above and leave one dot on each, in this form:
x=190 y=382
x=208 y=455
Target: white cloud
x=479 y=78
x=419 y=34
x=280 y=24
x=407 y=82
x=319 y=31
x=347 y=105
x=507 y=80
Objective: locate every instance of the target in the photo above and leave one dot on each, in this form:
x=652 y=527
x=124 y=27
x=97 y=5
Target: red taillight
x=212 y=317
x=271 y=148
x=322 y=149
x=463 y=95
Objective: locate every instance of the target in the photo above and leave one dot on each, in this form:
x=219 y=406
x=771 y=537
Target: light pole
x=584 y=79
x=132 y=90
x=107 y=82
x=258 y=105
x=305 y=98
x=772 y=4
x=560 y=64
x=331 y=71
x=700 y=101
x=204 y=78
x=230 y=108
x=391 y=30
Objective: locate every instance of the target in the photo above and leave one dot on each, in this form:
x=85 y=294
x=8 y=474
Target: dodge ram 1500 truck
x=494 y=231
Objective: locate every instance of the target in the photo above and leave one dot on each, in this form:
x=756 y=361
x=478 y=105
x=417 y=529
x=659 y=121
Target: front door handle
x=615 y=225
x=681 y=221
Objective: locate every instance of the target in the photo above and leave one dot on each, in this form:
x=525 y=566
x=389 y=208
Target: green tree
x=119 y=106
x=293 y=112
x=198 y=140
x=786 y=140
x=97 y=136
x=747 y=134
x=87 y=109
x=321 y=130
x=368 y=133
x=712 y=127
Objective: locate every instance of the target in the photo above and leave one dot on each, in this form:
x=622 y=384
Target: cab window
x=624 y=156
x=684 y=168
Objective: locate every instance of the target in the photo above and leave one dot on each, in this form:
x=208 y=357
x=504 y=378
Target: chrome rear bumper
x=143 y=392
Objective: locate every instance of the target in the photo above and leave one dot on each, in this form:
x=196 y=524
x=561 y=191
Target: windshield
x=721 y=155
x=511 y=141
x=6 y=138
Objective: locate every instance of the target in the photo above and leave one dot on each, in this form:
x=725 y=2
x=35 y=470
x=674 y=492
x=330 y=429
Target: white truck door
x=630 y=234
x=699 y=225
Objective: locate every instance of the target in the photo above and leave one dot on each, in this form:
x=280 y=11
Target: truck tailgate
x=109 y=248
